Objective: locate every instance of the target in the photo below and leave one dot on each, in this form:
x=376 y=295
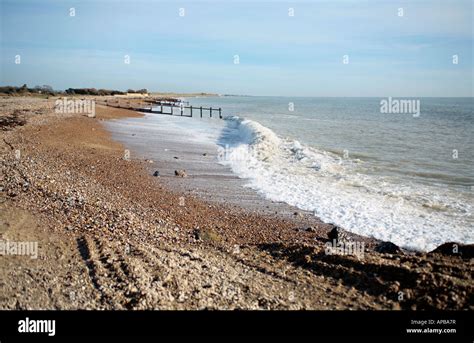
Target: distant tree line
x=12 y=90
x=92 y=91
x=48 y=90
x=138 y=91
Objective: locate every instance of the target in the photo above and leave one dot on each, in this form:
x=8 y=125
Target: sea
x=403 y=174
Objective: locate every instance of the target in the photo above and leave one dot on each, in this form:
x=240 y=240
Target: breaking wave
x=338 y=189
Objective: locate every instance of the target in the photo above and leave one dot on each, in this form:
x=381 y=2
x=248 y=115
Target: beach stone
x=156 y=173
x=395 y=287
x=455 y=249
x=339 y=235
x=388 y=248
x=180 y=173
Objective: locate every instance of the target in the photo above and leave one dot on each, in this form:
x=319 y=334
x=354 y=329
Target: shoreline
x=151 y=138
x=206 y=180
x=117 y=202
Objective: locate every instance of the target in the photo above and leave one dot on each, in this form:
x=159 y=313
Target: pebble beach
x=111 y=235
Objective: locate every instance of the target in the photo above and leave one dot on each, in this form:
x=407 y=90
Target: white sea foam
x=337 y=191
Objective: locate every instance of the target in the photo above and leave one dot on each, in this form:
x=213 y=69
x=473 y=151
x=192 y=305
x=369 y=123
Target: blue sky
x=301 y=55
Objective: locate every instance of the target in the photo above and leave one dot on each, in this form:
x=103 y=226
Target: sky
x=193 y=46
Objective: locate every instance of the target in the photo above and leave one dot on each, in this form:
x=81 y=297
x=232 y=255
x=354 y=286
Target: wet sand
x=167 y=151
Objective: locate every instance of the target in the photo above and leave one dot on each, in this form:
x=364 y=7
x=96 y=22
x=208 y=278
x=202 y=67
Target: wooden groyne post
x=147 y=106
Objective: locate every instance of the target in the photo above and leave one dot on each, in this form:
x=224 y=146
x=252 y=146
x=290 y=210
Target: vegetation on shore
x=49 y=91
